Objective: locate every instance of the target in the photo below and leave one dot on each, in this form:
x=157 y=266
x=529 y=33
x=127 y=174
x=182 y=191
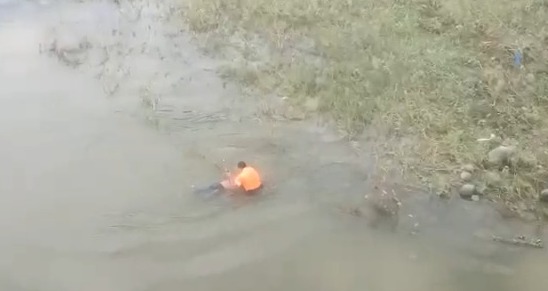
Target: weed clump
x=443 y=73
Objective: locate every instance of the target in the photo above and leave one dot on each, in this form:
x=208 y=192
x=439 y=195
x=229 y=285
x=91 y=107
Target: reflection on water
x=92 y=199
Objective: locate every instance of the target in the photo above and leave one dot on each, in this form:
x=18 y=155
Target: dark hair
x=241 y=164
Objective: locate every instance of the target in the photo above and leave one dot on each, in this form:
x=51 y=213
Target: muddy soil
x=111 y=115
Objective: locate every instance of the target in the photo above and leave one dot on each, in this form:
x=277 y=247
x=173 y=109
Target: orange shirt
x=248 y=179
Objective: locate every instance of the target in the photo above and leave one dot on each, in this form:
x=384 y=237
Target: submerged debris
x=72 y=51
x=384 y=209
x=353 y=211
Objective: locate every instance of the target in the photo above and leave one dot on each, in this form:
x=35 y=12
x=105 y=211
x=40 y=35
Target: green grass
x=439 y=72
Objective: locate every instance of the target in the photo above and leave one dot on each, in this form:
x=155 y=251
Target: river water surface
x=101 y=145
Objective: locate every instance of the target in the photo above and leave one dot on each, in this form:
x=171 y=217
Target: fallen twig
x=520 y=241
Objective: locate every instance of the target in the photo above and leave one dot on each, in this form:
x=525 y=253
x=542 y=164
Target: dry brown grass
x=440 y=72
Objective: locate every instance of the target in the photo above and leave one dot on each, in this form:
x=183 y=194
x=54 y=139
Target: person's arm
x=228 y=181
x=238 y=181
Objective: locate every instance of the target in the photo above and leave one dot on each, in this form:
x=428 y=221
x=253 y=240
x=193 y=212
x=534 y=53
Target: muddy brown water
x=96 y=188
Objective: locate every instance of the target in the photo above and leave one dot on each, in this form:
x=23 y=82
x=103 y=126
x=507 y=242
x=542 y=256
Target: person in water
x=247 y=180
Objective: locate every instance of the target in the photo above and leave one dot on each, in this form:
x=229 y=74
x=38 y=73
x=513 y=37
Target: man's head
x=241 y=165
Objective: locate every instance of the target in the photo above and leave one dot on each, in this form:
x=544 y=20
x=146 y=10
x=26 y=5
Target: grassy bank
x=442 y=73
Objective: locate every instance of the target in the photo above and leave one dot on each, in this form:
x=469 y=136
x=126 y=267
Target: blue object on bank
x=518 y=58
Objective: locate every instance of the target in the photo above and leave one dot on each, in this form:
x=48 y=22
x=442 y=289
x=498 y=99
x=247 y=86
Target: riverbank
x=443 y=83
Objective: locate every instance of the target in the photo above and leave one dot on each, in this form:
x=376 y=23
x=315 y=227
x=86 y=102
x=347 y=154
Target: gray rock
x=466 y=176
x=544 y=196
x=481 y=188
x=492 y=179
x=500 y=155
x=468 y=168
x=475 y=198
x=467 y=190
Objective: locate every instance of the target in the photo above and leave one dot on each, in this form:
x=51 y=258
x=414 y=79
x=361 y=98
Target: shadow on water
x=94 y=199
